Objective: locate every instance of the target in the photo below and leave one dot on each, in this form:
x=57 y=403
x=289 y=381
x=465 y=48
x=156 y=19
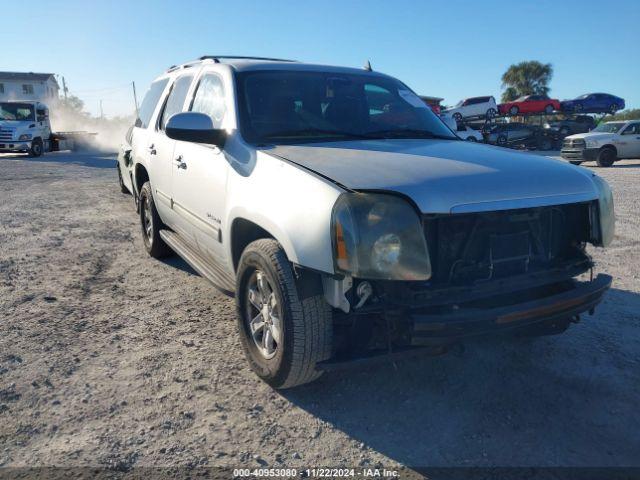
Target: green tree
x=526 y=78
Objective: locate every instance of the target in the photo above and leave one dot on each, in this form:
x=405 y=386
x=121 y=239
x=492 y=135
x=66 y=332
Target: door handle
x=152 y=150
x=180 y=163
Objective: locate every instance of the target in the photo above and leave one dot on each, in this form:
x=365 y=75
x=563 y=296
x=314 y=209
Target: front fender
x=291 y=203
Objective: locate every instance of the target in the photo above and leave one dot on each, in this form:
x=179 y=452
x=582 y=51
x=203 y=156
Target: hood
x=446 y=176
x=591 y=136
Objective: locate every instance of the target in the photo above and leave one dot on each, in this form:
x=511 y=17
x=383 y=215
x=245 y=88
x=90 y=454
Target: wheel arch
x=241 y=234
x=610 y=147
x=141 y=175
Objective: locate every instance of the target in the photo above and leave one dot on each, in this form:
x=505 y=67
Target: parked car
x=520 y=135
x=348 y=221
x=530 y=104
x=465 y=132
x=571 y=125
x=607 y=143
x=474 y=107
x=594 y=103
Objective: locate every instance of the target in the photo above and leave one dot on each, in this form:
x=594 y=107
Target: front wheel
x=514 y=110
x=613 y=109
x=472 y=139
x=37 y=148
x=283 y=335
x=548 y=109
x=606 y=157
x=491 y=113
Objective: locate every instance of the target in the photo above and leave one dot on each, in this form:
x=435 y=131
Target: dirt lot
x=110 y=358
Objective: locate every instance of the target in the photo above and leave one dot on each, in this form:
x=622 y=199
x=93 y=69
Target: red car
x=530 y=104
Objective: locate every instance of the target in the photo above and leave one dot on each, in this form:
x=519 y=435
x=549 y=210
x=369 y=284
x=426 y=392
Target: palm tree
x=526 y=78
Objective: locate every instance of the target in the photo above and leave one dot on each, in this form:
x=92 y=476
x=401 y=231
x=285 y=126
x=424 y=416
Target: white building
x=41 y=87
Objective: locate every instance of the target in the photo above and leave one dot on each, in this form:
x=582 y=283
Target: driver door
x=629 y=144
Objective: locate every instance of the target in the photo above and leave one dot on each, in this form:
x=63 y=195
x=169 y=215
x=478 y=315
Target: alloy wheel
x=264 y=315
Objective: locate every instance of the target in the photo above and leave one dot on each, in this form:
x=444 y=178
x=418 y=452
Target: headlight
x=379 y=236
x=603 y=219
x=592 y=144
x=24 y=136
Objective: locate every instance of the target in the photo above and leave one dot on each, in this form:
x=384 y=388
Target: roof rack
x=217 y=58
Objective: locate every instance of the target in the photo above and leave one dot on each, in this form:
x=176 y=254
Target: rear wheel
x=613 y=109
x=491 y=113
x=457 y=117
x=151 y=225
x=123 y=188
x=37 y=148
x=501 y=140
x=606 y=157
x=283 y=335
x=564 y=131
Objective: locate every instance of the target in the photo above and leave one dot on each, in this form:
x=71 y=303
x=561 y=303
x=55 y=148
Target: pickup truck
x=349 y=222
x=607 y=143
x=24 y=127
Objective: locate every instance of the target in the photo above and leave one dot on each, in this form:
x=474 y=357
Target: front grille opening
x=470 y=248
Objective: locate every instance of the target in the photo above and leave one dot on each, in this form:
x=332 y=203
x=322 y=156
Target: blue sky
x=451 y=49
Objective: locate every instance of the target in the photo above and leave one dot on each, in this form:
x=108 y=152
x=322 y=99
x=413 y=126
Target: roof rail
x=217 y=58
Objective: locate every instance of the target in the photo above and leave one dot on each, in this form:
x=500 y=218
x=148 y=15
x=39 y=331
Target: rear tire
x=472 y=139
x=301 y=332
x=37 y=148
x=491 y=113
x=123 y=188
x=501 y=140
x=613 y=109
x=606 y=157
x=457 y=117
x=151 y=225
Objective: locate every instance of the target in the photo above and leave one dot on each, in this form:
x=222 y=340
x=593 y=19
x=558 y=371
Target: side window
x=633 y=129
x=175 y=100
x=209 y=99
x=149 y=103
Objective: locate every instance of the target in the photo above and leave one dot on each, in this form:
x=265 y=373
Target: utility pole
x=135 y=98
x=64 y=88
x=101 y=113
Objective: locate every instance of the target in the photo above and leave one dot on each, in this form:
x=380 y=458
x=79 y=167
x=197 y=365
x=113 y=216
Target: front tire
x=514 y=110
x=548 y=109
x=606 y=157
x=37 y=148
x=283 y=335
x=457 y=117
x=151 y=225
x=472 y=139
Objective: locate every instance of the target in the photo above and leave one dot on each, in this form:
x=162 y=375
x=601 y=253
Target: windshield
x=17 y=111
x=611 y=127
x=299 y=106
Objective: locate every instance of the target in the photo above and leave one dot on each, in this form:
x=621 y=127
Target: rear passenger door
x=161 y=149
x=200 y=175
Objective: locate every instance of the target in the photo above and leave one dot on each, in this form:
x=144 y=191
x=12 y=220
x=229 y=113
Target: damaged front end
x=523 y=270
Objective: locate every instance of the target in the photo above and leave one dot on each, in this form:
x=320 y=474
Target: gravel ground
x=109 y=358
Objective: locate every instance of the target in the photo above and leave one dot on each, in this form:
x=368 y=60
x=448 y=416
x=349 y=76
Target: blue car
x=593 y=103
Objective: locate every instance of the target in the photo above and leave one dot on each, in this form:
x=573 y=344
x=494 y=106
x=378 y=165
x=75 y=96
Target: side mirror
x=194 y=127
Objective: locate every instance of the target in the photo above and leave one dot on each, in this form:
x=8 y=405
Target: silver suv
x=348 y=221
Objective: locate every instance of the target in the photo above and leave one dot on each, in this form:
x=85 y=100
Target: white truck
x=606 y=144
x=25 y=127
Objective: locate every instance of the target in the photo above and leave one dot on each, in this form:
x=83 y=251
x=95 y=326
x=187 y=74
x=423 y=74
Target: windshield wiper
x=314 y=131
x=407 y=133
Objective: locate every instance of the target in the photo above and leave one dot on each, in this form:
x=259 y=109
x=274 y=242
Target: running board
x=215 y=274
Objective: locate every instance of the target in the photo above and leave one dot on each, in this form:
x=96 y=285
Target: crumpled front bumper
x=436 y=328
